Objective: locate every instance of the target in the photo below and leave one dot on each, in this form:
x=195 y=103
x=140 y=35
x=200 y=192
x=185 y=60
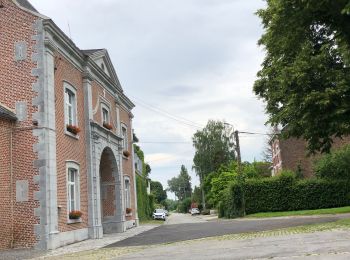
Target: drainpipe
x=11 y=186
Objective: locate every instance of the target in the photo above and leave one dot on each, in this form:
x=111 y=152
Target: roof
x=27 y=5
x=7 y=113
x=91 y=52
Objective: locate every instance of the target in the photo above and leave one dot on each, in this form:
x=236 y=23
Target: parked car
x=195 y=211
x=159 y=214
x=166 y=212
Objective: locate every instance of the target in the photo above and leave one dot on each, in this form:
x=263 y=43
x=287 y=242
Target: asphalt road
x=189 y=231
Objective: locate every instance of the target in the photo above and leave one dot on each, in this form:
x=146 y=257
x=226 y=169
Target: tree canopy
x=158 y=191
x=181 y=185
x=305 y=76
x=214 y=147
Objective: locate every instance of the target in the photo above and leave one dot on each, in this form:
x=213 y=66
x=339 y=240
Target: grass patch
x=300 y=213
x=152 y=222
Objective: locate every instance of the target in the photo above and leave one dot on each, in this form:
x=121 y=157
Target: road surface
x=187 y=231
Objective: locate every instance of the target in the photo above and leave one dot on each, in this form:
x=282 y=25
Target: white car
x=159 y=214
x=195 y=211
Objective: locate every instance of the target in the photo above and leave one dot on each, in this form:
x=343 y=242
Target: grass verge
x=300 y=213
x=152 y=222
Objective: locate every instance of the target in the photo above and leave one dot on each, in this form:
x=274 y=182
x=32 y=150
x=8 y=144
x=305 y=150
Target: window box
x=73 y=129
x=126 y=153
x=107 y=126
x=75 y=214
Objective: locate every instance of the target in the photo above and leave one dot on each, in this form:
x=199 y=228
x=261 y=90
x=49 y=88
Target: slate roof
x=7 y=114
x=27 y=5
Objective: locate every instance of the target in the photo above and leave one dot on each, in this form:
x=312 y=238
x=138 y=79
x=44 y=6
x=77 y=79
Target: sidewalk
x=90 y=244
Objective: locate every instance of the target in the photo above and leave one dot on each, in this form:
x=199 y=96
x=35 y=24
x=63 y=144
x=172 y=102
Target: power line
x=167 y=114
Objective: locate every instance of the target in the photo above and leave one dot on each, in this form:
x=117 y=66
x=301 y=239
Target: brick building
x=291 y=154
x=66 y=136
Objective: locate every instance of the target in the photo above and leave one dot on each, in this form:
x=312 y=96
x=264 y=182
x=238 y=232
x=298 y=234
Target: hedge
x=283 y=193
x=145 y=202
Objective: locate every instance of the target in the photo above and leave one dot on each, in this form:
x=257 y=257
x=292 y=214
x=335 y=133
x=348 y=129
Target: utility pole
x=238 y=151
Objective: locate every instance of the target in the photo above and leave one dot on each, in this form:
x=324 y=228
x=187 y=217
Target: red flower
x=75 y=214
x=108 y=126
x=73 y=129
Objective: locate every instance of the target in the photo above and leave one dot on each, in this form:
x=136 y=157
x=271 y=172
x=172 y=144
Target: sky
x=182 y=62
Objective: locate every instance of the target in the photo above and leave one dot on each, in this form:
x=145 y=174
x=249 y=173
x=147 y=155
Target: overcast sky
x=182 y=62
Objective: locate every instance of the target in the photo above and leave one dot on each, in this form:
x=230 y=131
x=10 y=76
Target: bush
x=283 y=193
x=184 y=205
x=335 y=165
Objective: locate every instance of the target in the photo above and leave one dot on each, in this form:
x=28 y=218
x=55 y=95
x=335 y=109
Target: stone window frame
x=70 y=88
x=73 y=165
x=125 y=137
x=105 y=107
x=127 y=192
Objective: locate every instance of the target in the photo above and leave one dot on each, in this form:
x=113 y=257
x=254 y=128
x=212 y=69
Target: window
x=73 y=191
x=105 y=116
x=70 y=105
x=125 y=137
x=127 y=193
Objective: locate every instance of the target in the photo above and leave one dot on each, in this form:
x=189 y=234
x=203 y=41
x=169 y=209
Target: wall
x=70 y=148
x=16 y=82
x=294 y=153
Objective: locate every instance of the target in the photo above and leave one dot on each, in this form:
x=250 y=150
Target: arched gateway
x=106 y=214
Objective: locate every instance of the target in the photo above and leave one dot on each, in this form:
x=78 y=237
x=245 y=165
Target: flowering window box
x=107 y=126
x=128 y=212
x=73 y=129
x=126 y=153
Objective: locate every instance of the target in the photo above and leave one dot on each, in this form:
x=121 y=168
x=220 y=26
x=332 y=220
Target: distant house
x=291 y=154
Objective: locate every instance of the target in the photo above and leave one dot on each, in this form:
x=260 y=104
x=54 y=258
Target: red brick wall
x=5 y=185
x=16 y=85
x=294 y=153
x=127 y=162
x=69 y=148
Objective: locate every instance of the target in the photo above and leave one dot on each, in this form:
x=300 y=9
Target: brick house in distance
x=66 y=136
x=291 y=154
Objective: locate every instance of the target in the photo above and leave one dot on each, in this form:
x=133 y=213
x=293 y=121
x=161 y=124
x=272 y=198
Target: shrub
x=283 y=193
x=335 y=165
x=184 y=205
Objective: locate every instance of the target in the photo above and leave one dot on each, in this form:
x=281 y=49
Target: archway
x=112 y=219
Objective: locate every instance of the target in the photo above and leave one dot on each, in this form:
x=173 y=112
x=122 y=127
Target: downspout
x=11 y=187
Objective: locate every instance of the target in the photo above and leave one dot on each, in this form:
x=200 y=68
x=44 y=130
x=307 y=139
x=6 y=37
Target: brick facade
x=291 y=154
x=37 y=62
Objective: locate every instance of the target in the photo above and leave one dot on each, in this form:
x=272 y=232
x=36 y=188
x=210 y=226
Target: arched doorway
x=111 y=200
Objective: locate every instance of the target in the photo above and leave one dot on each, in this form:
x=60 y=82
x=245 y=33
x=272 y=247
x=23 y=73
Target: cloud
x=194 y=59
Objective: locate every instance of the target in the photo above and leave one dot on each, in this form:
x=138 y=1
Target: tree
x=214 y=147
x=158 y=191
x=181 y=185
x=305 y=79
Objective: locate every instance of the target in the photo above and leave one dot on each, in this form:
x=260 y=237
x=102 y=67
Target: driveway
x=188 y=231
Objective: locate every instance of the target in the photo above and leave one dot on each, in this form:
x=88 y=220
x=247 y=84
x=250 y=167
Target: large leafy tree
x=181 y=185
x=158 y=191
x=305 y=77
x=213 y=147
